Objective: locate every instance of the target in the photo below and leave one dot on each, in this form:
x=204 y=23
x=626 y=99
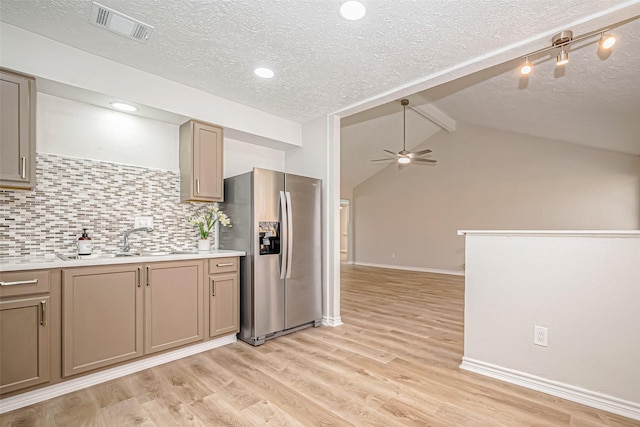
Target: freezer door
x=303 y=297
x=268 y=288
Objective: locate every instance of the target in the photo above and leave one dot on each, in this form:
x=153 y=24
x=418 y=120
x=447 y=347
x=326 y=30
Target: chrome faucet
x=125 y=245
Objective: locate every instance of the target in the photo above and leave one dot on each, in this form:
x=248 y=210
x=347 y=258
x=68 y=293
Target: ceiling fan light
x=563 y=57
x=526 y=68
x=404 y=160
x=607 y=41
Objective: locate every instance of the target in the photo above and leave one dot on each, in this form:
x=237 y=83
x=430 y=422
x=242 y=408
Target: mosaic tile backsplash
x=72 y=194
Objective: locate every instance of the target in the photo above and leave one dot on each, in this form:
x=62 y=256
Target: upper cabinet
x=201 y=178
x=17 y=130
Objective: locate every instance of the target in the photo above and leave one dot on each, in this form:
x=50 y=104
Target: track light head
x=562 y=39
x=607 y=41
x=526 y=68
x=563 y=57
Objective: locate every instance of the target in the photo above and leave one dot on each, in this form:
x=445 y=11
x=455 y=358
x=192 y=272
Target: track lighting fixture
x=562 y=41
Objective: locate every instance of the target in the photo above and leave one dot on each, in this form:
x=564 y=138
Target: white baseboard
x=331 y=321
x=46 y=393
x=575 y=394
x=408 y=268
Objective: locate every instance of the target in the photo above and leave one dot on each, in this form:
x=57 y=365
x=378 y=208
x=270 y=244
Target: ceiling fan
x=405 y=157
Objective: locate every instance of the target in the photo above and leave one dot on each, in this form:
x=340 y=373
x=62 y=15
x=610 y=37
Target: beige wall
x=489 y=179
x=583 y=288
x=344 y=224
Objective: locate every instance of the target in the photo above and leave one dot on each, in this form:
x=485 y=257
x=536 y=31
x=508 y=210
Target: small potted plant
x=205 y=220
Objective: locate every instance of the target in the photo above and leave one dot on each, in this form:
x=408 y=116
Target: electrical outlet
x=540 y=336
x=143 y=221
x=393 y=255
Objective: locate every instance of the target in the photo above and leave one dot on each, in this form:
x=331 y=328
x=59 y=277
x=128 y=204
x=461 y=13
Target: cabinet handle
x=24 y=167
x=43 y=312
x=225 y=264
x=213 y=289
x=197 y=186
x=148 y=277
x=138 y=274
x=20 y=282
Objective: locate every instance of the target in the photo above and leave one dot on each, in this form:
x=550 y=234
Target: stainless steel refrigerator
x=277 y=220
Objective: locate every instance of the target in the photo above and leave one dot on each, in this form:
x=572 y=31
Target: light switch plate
x=143 y=221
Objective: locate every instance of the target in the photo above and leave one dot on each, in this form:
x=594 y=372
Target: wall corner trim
x=31 y=397
x=331 y=321
x=566 y=391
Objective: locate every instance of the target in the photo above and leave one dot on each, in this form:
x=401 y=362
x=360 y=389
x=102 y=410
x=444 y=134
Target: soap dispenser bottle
x=85 y=245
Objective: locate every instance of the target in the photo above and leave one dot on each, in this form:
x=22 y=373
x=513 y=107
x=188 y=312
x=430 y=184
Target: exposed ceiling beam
x=436 y=115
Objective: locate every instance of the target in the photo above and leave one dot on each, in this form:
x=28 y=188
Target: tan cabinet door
x=173 y=304
x=24 y=343
x=201 y=162
x=224 y=317
x=102 y=316
x=17 y=130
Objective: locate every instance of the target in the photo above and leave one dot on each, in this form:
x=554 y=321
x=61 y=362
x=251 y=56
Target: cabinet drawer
x=223 y=265
x=13 y=283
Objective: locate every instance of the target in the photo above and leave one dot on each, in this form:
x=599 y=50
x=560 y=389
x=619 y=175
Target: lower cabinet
x=24 y=343
x=25 y=329
x=223 y=304
x=224 y=297
x=102 y=321
x=173 y=305
x=116 y=313
x=55 y=324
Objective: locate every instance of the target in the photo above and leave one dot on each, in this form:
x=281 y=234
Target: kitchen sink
x=75 y=257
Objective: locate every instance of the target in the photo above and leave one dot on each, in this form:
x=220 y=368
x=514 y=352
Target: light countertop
x=51 y=261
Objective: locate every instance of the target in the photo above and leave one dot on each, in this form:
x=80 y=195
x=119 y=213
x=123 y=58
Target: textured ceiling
x=592 y=101
x=322 y=62
x=325 y=64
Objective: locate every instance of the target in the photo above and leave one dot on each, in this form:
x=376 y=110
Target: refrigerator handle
x=283 y=242
x=289 y=234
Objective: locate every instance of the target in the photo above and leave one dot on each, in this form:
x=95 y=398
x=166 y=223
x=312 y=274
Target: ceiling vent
x=119 y=23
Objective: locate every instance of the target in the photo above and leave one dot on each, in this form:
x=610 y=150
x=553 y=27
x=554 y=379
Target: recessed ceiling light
x=352 y=10
x=123 y=107
x=265 y=73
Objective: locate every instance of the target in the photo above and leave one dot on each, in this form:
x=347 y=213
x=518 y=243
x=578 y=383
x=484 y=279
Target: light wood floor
x=393 y=363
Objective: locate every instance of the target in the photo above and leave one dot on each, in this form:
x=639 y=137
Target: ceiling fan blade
x=383 y=160
x=424 y=160
x=391 y=152
x=420 y=153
